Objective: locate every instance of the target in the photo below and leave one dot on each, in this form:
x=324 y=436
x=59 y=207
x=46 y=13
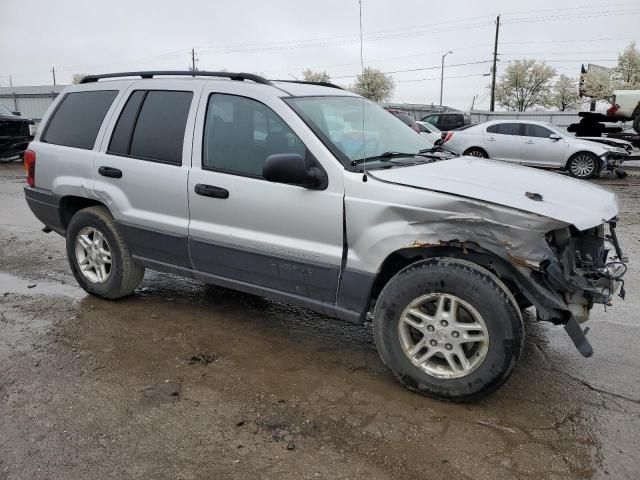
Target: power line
x=438 y=78
x=421 y=68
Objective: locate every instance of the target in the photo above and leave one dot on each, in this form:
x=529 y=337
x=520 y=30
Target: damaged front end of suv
x=588 y=268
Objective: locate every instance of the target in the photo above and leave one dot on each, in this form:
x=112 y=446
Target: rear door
x=142 y=168
x=280 y=237
x=540 y=150
x=503 y=141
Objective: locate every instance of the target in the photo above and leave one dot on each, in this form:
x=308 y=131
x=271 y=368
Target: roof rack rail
x=321 y=84
x=158 y=73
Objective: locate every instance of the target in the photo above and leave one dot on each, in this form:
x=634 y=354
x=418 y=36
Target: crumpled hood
x=564 y=198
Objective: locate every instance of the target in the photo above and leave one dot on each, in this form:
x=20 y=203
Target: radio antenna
x=364 y=143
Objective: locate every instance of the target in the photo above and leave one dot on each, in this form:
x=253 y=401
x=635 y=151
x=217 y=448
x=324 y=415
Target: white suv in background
x=276 y=189
x=535 y=144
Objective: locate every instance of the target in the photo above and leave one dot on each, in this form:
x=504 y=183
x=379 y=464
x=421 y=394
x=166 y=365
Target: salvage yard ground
x=185 y=381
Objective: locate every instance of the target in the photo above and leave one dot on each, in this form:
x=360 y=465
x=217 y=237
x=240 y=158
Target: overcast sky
x=279 y=38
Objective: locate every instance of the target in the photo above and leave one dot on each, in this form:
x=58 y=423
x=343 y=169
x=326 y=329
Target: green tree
x=564 y=95
x=374 y=85
x=310 y=76
x=626 y=75
x=524 y=85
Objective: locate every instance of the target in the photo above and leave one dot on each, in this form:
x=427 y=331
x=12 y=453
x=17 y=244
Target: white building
x=31 y=102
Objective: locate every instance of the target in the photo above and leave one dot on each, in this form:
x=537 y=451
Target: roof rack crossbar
x=158 y=73
x=321 y=84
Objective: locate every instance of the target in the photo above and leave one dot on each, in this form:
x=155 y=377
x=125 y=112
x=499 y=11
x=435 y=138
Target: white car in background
x=535 y=144
x=430 y=132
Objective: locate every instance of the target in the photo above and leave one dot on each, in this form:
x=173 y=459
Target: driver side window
x=240 y=133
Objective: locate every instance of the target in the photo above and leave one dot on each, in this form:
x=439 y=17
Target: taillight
x=30 y=167
x=611 y=111
x=446 y=136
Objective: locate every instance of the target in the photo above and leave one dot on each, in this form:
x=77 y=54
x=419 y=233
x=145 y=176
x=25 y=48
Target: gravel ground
x=185 y=381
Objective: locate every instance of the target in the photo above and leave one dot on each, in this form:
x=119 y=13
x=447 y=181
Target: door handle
x=529 y=141
x=110 y=172
x=491 y=139
x=211 y=191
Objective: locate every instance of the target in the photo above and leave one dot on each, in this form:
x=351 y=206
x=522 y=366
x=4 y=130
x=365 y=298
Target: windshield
x=356 y=128
x=4 y=110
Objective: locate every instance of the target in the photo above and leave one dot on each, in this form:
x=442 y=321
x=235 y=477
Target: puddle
x=20 y=286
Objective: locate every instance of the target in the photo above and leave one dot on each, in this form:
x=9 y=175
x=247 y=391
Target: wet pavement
x=185 y=381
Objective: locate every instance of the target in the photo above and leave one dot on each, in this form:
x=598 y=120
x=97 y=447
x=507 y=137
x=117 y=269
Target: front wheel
x=475 y=152
x=583 y=165
x=98 y=255
x=449 y=329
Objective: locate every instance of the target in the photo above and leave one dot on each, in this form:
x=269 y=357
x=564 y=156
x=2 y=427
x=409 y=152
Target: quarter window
x=77 y=119
x=240 y=133
x=152 y=126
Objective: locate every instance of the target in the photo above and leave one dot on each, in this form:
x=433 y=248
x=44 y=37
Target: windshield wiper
x=383 y=157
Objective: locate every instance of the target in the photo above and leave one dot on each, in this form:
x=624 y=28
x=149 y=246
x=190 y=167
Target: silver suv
x=309 y=194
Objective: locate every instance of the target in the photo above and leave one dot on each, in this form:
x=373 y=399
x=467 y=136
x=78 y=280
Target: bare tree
x=77 y=77
x=525 y=84
x=626 y=75
x=565 y=94
x=374 y=85
x=311 y=76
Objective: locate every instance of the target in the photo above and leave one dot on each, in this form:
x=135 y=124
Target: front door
x=503 y=141
x=281 y=237
x=540 y=150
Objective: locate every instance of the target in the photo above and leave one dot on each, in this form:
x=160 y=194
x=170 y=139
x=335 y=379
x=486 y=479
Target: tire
x=636 y=123
x=121 y=277
x=583 y=165
x=482 y=300
x=475 y=152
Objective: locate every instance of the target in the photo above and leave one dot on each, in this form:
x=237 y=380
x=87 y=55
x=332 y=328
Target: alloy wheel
x=583 y=166
x=443 y=335
x=93 y=255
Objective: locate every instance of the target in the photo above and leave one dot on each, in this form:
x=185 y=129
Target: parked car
x=431 y=132
x=447 y=121
x=241 y=182
x=536 y=144
x=405 y=117
x=15 y=133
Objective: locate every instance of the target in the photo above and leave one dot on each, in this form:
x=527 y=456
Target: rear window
x=77 y=119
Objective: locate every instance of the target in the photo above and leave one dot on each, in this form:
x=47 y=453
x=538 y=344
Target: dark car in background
x=405 y=117
x=15 y=133
x=448 y=120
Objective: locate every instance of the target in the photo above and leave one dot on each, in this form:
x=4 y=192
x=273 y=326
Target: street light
x=442 y=75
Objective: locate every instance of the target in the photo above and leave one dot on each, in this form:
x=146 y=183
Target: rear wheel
x=98 y=255
x=475 y=152
x=636 y=123
x=583 y=165
x=448 y=328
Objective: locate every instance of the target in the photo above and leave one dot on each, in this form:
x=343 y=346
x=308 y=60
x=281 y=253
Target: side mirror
x=292 y=169
x=555 y=136
x=16 y=113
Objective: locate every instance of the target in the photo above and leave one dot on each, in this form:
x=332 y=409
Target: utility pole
x=193 y=59
x=53 y=72
x=442 y=75
x=495 y=61
x=361 y=56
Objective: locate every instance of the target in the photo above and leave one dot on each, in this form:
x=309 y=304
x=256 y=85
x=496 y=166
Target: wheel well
x=70 y=205
x=401 y=259
x=580 y=153
x=476 y=148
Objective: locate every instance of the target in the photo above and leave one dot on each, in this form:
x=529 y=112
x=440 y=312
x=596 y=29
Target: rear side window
x=152 y=126
x=77 y=119
x=505 y=128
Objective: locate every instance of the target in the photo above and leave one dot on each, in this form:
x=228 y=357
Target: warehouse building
x=32 y=102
